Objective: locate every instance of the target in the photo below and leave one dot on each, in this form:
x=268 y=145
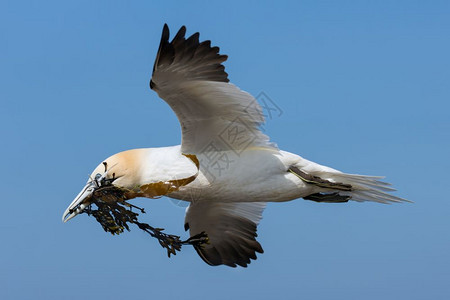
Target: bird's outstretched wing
x=213 y=113
x=231 y=230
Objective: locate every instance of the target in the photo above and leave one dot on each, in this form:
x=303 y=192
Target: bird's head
x=114 y=179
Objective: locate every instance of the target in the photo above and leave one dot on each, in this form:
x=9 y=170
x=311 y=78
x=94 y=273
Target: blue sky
x=364 y=87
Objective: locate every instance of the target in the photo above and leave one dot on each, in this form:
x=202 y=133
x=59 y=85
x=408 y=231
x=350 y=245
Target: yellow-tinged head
x=117 y=178
x=150 y=172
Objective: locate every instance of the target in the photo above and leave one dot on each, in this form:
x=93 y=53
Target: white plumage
x=225 y=166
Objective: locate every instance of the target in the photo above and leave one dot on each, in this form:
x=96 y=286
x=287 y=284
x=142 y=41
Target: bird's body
x=257 y=175
x=225 y=166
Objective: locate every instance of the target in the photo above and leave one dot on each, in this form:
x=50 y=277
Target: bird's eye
x=97 y=177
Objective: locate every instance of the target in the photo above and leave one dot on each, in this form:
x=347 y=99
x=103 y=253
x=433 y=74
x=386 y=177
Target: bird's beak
x=79 y=204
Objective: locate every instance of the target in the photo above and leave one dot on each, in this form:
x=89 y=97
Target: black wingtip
x=166 y=30
x=165 y=34
x=206 y=60
x=180 y=34
x=164 y=41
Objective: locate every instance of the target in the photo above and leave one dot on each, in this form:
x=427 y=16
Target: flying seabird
x=226 y=167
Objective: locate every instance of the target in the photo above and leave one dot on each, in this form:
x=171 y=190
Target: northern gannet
x=225 y=167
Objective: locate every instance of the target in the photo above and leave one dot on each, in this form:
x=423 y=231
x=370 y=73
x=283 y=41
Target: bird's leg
x=328 y=198
x=316 y=180
x=323 y=183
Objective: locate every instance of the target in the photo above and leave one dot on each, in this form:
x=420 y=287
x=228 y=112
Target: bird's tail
x=364 y=188
x=335 y=186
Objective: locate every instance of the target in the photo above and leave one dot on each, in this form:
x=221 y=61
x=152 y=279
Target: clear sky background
x=364 y=87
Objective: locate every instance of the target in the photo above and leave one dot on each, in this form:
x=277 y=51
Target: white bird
x=225 y=166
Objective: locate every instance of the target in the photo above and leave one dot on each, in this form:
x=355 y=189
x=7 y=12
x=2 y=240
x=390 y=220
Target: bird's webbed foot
x=328 y=198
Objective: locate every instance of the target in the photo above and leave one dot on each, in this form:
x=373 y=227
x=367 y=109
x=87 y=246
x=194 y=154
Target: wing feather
x=190 y=77
x=231 y=228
